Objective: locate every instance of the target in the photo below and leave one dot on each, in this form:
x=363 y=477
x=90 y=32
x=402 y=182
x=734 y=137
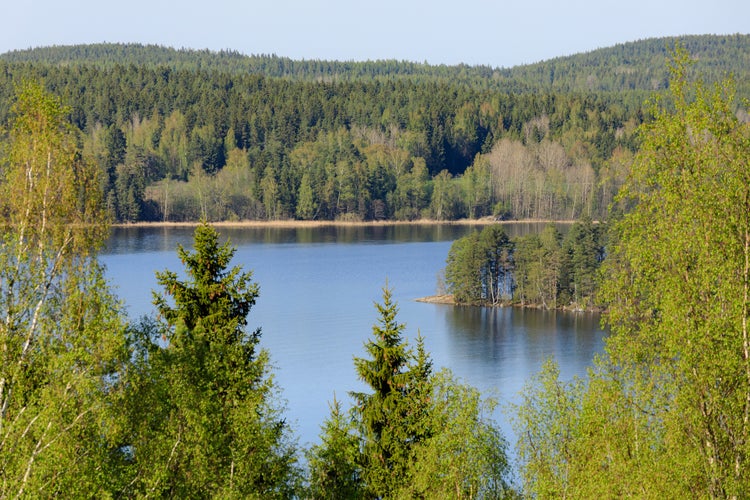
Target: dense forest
x=187 y=135
x=628 y=66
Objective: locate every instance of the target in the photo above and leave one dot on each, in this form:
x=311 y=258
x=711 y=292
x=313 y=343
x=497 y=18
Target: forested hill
x=187 y=135
x=638 y=65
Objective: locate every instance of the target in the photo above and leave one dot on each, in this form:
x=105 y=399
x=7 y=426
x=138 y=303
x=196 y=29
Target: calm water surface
x=316 y=308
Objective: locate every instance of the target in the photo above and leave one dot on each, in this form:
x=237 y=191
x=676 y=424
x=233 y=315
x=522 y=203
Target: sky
x=497 y=33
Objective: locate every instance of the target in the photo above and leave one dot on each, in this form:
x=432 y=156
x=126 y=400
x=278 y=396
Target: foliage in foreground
x=665 y=412
x=204 y=415
x=184 y=406
x=62 y=337
x=418 y=434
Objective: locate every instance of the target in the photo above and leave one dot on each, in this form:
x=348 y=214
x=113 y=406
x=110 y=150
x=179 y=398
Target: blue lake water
x=316 y=308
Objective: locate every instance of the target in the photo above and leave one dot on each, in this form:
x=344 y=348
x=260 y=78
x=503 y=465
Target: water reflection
x=315 y=307
x=130 y=239
x=511 y=343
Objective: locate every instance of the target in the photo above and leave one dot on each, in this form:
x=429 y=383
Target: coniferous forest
x=184 y=404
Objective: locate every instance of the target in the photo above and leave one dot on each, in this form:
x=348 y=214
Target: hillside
x=183 y=135
x=637 y=65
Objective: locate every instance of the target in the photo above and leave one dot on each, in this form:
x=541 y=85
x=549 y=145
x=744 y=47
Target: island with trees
x=546 y=270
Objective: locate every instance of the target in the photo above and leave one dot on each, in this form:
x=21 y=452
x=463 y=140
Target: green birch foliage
x=546 y=421
x=62 y=341
x=586 y=439
x=665 y=412
x=464 y=454
x=679 y=281
x=214 y=429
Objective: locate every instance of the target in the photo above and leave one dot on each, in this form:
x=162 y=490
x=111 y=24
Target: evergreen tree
x=383 y=414
x=417 y=435
x=463 y=270
x=498 y=266
x=479 y=267
x=538 y=268
x=583 y=252
x=211 y=427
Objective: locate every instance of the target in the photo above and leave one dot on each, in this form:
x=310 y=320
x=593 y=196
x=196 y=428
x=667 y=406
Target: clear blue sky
x=498 y=33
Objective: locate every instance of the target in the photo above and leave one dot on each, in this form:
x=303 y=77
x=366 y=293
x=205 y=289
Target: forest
x=640 y=65
x=184 y=403
x=188 y=135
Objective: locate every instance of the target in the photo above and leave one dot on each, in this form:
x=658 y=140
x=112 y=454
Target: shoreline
x=325 y=223
x=447 y=300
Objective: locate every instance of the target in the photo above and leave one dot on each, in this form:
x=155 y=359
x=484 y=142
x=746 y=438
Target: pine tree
x=479 y=267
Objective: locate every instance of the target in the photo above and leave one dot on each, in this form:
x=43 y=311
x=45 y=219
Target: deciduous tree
x=62 y=341
x=665 y=412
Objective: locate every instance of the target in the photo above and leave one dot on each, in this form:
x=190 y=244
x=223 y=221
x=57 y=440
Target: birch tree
x=61 y=338
x=667 y=411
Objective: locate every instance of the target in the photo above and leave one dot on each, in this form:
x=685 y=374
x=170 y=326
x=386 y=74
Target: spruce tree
x=214 y=429
x=582 y=254
x=416 y=435
x=384 y=414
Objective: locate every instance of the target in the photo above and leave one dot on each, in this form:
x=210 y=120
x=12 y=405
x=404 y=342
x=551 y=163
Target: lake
x=316 y=308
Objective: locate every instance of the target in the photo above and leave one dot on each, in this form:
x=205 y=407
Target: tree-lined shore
x=194 y=135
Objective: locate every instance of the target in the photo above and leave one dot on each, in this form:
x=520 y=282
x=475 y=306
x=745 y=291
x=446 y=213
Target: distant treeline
x=185 y=135
x=624 y=67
